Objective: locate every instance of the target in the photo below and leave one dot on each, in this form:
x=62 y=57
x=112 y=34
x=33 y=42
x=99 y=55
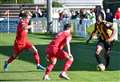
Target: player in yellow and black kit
x=105 y=34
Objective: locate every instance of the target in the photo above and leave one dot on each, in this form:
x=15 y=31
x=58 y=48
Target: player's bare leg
x=97 y=53
x=107 y=58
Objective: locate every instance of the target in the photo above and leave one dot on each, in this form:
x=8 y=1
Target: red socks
x=49 y=69
x=36 y=57
x=67 y=65
x=10 y=59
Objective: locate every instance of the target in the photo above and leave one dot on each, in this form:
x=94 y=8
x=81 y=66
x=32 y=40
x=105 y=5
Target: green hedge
x=56 y=4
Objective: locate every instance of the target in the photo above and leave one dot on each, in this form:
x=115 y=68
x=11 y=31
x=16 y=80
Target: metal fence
x=40 y=25
x=8 y=26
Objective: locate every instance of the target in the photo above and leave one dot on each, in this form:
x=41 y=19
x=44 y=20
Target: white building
x=81 y=3
x=75 y=3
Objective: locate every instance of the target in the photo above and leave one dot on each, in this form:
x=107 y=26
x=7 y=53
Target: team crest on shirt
x=109 y=32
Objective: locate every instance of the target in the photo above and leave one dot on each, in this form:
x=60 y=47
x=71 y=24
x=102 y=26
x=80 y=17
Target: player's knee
x=97 y=52
x=51 y=62
x=71 y=58
x=98 y=49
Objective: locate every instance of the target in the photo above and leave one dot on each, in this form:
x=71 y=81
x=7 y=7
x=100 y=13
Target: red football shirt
x=60 y=39
x=21 y=34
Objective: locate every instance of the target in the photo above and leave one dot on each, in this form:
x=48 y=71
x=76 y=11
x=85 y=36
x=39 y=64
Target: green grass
x=83 y=69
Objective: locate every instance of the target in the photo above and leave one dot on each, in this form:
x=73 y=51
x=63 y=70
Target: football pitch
x=23 y=69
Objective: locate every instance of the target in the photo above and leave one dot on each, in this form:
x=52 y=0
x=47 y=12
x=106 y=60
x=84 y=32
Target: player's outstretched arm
x=89 y=39
x=93 y=33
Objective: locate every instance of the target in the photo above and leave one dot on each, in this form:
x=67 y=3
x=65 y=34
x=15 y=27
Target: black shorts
x=106 y=45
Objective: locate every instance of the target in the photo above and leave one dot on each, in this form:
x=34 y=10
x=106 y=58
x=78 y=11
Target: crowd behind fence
x=40 y=25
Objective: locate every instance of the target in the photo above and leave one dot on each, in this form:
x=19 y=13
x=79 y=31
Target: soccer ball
x=101 y=67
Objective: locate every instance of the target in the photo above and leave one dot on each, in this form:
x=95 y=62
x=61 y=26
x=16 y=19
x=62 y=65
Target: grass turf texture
x=23 y=69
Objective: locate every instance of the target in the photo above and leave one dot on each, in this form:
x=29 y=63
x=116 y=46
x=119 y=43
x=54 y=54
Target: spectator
x=81 y=13
x=38 y=12
x=75 y=15
x=109 y=15
x=92 y=16
x=61 y=15
x=117 y=19
x=117 y=14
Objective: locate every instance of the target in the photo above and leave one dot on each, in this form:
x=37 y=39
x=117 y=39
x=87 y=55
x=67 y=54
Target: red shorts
x=20 y=47
x=53 y=52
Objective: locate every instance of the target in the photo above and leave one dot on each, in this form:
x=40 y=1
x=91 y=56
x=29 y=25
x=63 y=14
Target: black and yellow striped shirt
x=104 y=30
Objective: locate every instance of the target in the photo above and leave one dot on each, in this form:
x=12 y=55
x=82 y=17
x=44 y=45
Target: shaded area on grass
x=83 y=54
x=17 y=80
x=83 y=57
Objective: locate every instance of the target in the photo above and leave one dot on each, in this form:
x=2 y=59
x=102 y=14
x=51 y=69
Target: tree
x=56 y=4
x=111 y=4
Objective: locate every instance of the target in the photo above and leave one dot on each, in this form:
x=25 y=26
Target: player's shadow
x=85 y=58
x=25 y=55
x=83 y=54
x=21 y=71
x=15 y=80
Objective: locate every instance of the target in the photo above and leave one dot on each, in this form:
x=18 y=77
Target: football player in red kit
x=21 y=42
x=55 y=51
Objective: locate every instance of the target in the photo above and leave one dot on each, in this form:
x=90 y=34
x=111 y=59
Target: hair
x=66 y=26
x=21 y=13
x=99 y=12
x=98 y=8
x=25 y=13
